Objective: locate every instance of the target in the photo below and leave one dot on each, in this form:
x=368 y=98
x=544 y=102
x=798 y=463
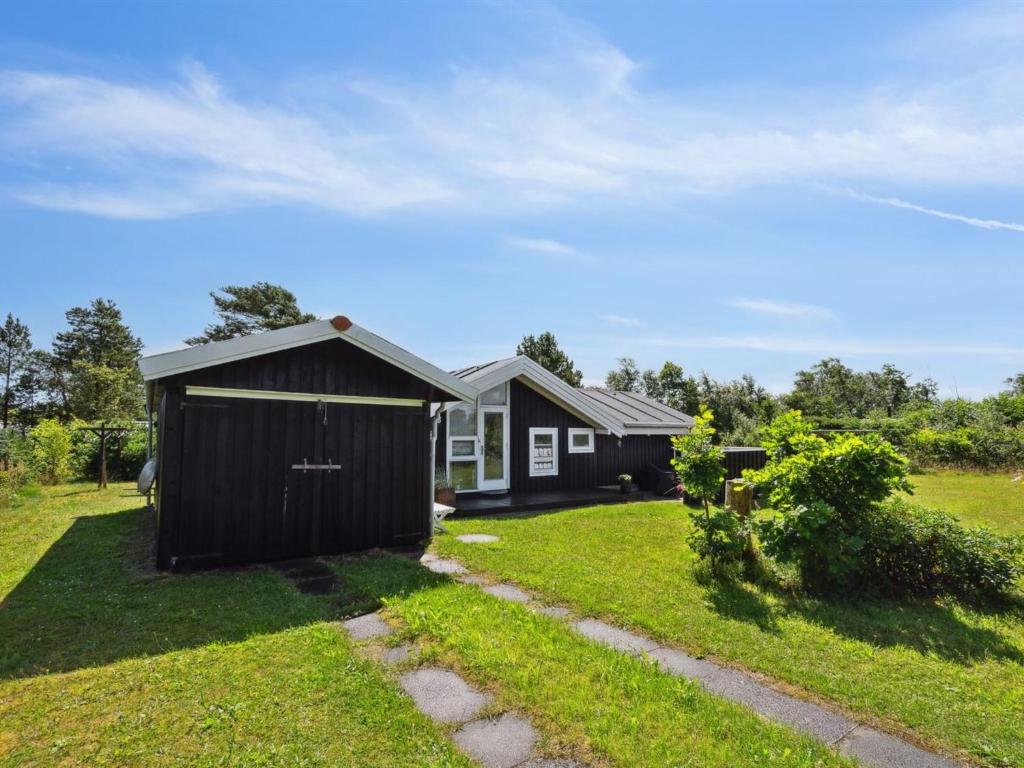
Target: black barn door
x=272 y=480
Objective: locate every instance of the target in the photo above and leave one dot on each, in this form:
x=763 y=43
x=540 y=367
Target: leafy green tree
x=1016 y=385
x=672 y=387
x=15 y=354
x=829 y=389
x=95 y=363
x=50 y=451
x=248 y=309
x=740 y=406
x=824 y=490
x=718 y=536
x=625 y=378
x=544 y=350
x=698 y=460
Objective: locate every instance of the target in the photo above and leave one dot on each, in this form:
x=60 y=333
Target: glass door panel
x=494 y=448
x=494 y=445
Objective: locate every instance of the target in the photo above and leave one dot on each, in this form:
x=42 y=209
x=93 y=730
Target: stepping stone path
x=396 y=655
x=477 y=538
x=505 y=741
x=507 y=592
x=501 y=742
x=868 y=745
x=442 y=695
x=554 y=611
x=365 y=627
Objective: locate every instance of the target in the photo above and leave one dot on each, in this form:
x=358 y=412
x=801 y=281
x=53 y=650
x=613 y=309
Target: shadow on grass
x=927 y=626
x=93 y=598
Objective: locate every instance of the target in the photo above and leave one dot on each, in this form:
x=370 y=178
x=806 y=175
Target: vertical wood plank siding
x=738 y=459
x=611 y=457
x=228 y=493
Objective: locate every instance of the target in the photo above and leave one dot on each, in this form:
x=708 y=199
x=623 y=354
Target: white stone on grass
x=477 y=538
x=444 y=566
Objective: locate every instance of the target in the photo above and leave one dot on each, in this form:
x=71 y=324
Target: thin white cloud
x=571 y=123
x=182 y=147
x=542 y=245
x=830 y=346
x=782 y=309
x=625 y=322
x=895 y=202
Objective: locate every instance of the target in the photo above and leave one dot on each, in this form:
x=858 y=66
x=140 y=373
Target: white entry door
x=493 y=434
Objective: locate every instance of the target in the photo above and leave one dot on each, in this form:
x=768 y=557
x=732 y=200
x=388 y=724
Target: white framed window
x=543 y=451
x=581 y=440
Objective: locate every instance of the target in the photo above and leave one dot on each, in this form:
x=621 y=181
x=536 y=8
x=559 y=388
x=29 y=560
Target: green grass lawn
x=589 y=702
x=944 y=674
x=977 y=498
x=105 y=662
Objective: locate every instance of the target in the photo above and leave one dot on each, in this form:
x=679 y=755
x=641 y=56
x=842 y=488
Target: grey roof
x=635 y=411
x=478 y=371
x=622 y=413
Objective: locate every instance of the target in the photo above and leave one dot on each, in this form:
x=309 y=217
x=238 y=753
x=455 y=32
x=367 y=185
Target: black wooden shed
x=309 y=440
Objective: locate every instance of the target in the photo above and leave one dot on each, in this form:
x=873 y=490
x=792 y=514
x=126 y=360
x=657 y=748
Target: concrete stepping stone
x=554 y=611
x=428 y=557
x=881 y=750
x=367 y=626
x=444 y=566
x=500 y=742
x=679 y=663
x=617 y=638
x=477 y=538
x=821 y=723
x=870 y=746
x=507 y=592
x=442 y=695
x=396 y=655
x=468 y=578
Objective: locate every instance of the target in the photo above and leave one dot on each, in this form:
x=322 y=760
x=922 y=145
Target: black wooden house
x=529 y=432
x=309 y=440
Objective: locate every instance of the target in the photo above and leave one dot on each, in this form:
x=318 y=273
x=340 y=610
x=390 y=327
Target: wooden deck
x=489 y=504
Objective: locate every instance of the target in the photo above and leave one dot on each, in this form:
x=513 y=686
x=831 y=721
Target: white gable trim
x=545 y=383
x=220 y=352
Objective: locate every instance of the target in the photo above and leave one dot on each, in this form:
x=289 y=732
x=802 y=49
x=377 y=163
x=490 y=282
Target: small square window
x=543 y=451
x=581 y=441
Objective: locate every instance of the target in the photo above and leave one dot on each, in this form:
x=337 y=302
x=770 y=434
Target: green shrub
x=824 y=548
x=698 y=461
x=922 y=551
x=49 y=451
x=719 y=536
x=823 y=488
x=12 y=481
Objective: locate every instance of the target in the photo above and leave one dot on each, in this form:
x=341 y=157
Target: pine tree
x=248 y=309
x=544 y=350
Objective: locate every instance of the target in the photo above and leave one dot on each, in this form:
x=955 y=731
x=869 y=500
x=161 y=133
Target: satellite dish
x=147 y=476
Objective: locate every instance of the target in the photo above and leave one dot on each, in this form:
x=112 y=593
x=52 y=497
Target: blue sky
x=739 y=187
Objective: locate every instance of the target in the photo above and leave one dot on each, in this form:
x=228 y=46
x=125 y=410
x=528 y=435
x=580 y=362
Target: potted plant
x=444 y=491
x=625 y=483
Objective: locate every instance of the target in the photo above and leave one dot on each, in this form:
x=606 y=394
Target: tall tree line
x=91 y=371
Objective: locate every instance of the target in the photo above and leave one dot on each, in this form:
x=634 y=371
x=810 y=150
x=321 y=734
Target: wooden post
x=104 y=432
x=739 y=497
x=103 y=456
